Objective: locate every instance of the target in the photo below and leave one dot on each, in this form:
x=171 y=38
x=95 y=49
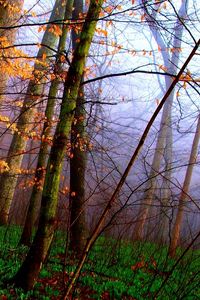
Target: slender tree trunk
x=184 y=192
x=8 y=18
x=28 y=273
x=171 y=63
x=44 y=147
x=164 y=218
x=78 y=162
x=18 y=145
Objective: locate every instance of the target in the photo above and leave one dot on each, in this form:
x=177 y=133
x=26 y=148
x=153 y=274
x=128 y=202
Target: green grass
x=114 y=270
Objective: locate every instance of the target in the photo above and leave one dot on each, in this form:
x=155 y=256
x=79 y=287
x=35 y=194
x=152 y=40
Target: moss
x=31 y=266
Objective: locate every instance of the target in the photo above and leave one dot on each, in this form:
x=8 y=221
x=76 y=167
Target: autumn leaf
x=163 y=68
x=4 y=166
x=143 y=17
x=44 y=56
x=138 y=265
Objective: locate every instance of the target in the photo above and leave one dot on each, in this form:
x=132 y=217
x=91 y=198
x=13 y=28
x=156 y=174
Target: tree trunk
x=18 y=145
x=44 y=147
x=171 y=63
x=8 y=17
x=77 y=180
x=162 y=236
x=28 y=273
x=78 y=162
x=184 y=192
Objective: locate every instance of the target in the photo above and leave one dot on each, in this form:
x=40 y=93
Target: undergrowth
x=114 y=270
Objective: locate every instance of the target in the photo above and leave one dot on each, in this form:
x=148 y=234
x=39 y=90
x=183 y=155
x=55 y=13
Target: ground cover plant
x=114 y=270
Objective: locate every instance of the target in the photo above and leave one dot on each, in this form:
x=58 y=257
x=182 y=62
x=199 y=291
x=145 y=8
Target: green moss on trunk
x=78 y=230
x=42 y=157
x=18 y=145
x=38 y=251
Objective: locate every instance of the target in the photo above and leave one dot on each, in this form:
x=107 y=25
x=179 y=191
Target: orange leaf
x=143 y=17
x=44 y=56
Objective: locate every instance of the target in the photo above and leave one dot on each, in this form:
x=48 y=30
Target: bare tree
x=164 y=139
x=183 y=197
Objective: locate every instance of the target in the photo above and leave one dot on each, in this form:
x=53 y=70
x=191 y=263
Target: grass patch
x=114 y=270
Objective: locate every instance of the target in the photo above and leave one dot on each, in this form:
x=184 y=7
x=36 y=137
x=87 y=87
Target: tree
x=78 y=160
x=101 y=222
x=184 y=192
x=31 y=267
x=18 y=145
x=164 y=139
x=43 y=153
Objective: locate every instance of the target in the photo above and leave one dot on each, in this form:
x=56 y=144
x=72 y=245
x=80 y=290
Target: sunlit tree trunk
x=18 y=145
x=184 y=192
x=10 y=12
x=171 y=64
x=27 y=274
x=44 y=147
x=78 y=162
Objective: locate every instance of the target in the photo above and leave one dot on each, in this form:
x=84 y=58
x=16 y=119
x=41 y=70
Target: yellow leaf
x=4 y=166
x=33 y=14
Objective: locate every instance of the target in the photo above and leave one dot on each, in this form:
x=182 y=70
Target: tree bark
x=78 y=228
x=184 y=192
x=44 y=147
x=162 y=236
x=18 y=145
x=27 y=274
x=78 y=162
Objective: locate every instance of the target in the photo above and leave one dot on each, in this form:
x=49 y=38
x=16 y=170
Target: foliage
x=124 y=271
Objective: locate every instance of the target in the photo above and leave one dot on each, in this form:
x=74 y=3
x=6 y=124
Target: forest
x=99 y=149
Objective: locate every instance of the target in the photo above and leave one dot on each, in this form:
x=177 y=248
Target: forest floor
x=114 y=270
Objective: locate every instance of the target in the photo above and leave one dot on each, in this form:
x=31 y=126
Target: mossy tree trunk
x=18 y=144
x=78 y=161
x=44 y=147
x=28 y=273
x=78 y=229
x=8 y=18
